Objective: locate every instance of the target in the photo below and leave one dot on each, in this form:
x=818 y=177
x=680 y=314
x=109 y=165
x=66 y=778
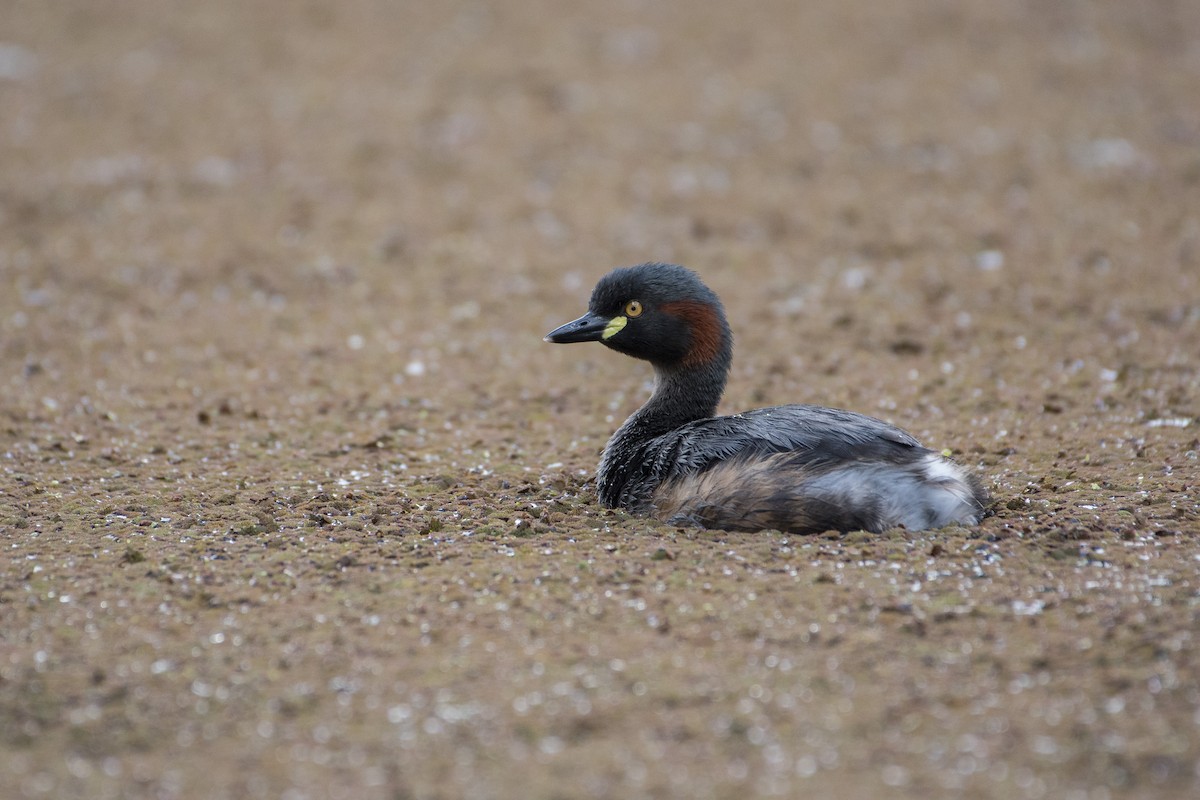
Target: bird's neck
x=685 y=390
x=681 y=395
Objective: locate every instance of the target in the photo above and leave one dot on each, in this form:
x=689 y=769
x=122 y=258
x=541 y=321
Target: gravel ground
x=294 y=500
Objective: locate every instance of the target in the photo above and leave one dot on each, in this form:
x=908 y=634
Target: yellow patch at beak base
x=614 y=327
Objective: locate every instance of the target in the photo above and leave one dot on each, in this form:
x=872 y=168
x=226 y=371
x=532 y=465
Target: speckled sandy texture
x=294 y=498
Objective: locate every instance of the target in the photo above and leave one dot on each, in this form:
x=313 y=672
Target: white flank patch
x=939 y=469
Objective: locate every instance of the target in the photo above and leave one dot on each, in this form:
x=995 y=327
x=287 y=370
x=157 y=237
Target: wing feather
x=823 y=434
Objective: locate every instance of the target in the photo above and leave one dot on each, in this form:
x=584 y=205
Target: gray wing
x=815 y=434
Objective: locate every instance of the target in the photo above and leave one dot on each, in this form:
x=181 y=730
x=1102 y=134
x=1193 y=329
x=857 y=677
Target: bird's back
x=800 y=468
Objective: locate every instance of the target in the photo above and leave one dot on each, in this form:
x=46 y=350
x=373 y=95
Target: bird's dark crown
x=652 y=284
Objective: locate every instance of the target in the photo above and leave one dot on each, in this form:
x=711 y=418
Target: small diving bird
x=797 y=468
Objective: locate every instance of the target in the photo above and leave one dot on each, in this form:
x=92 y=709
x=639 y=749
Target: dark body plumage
x=800 y=468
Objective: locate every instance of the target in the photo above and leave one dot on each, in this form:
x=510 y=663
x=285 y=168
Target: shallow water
x=295 y=498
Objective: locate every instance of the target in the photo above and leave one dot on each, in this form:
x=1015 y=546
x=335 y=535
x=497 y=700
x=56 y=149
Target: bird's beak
x=590 y=327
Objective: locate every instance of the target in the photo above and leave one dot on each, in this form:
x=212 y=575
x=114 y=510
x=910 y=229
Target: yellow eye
x=633 y=309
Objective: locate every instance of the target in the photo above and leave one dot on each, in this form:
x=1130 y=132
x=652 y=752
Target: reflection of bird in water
x=798 y=468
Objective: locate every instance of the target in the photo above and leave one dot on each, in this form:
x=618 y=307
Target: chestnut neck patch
x=706 y=329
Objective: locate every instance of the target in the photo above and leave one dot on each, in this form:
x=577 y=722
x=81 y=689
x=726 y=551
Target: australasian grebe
x=799 y=468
